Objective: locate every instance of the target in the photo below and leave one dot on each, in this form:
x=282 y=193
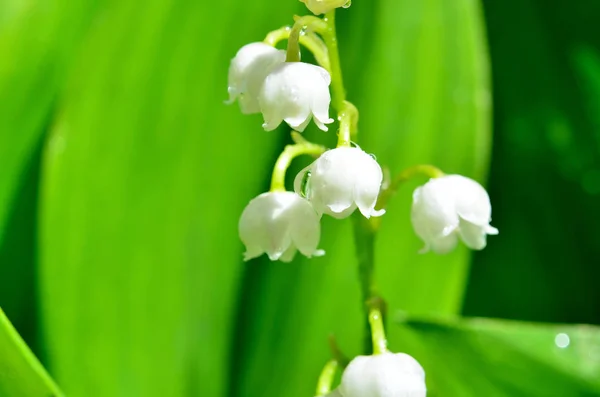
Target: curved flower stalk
x=247 y=72
x=295 y=92
x=279 y=224
x=450 y=207
x=340 y=181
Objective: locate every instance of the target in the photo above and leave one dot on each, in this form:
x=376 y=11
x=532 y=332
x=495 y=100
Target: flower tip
x=274 y=256
x=491 y=230
x=269 y=126
x=377 y=213
x=321 y=123
x=248 y=256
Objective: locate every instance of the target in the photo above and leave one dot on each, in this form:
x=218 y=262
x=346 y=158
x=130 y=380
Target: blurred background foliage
x=124 y=174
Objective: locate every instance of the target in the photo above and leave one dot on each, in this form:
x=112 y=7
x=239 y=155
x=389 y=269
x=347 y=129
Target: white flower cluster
x=280 y=223
x=294 y=92
x=341 y=180
x=382 y=375
x=336 y=184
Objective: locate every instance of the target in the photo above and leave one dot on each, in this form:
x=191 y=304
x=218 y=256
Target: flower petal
x=443 y=244
x=305 y=227
x=383 y=375
x=474 y=236
x=288 y=255
x=263 y=224
x=290 y=93
x=248 y=70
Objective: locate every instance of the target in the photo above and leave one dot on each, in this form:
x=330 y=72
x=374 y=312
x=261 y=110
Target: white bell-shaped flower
x=279 y=224
x=295 y=92
x=383 y=375
x=247 y=72
x=448 y=207
x=319 y=7
x=341 y=180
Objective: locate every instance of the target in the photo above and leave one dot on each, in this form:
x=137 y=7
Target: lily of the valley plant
x=339 y=182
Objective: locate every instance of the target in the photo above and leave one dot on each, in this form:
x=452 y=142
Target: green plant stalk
x=310 y=40
x=347 y=113
x=308 y=22
x=337 y=81
x=285 y=158
x=348 y=118
x=377 y=329
x=426 y=170
x=326 y=377
x=364 y=240
x=364 y=233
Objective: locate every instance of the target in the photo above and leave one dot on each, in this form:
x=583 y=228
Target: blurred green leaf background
x=124 y=175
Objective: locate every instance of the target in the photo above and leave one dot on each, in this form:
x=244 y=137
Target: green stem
x=364 y=233
x=326 y=378
x=285 y=158
x=348 y=118
x=364 y=238
x=337 y=82
x=347 y=112
x=423 y=169
x=310 y=40
x=377 y=328
x=307 y=22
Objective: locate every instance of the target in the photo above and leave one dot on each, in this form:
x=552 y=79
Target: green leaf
x=484 y=357
x=145 y=174
x=37 y=41
x=36 y=44
x=418 y=72
x=21 y=374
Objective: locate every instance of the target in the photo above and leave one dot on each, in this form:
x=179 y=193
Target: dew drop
x=562 y=340
x=304 y=184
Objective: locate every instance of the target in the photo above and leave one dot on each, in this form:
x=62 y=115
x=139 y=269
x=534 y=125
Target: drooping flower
x=295 y=92
x=318 y=7
x=247 y=72
x=341 y=180
x=448 y=207
x=279 y=224
x=383 y=375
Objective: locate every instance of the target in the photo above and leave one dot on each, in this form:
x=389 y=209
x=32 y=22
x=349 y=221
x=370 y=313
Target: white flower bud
x=279 y=224
x=451 y=206
x=318 y=7
x=247 y=72
x=341 y=180
x=295 y=92
x=383 y=375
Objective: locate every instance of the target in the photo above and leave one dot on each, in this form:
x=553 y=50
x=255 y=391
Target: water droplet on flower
x=348 y=4
x=562 y=340
x=304 y=183
x=373 y=156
